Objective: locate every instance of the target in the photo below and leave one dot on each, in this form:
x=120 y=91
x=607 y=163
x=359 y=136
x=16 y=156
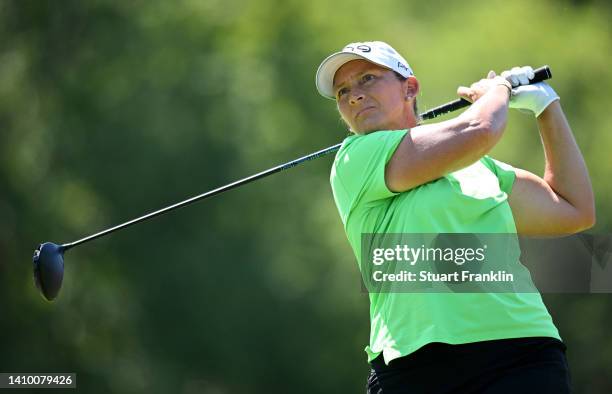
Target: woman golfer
x=393 y=175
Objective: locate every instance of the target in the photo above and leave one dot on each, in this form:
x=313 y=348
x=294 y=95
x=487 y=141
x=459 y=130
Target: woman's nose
x=356 y=97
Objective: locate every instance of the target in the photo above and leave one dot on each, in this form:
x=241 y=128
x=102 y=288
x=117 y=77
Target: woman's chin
x=366 y=127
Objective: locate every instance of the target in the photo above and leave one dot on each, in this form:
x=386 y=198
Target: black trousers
x=522 y=365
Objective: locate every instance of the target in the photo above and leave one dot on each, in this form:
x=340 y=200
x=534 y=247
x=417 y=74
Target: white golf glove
x=533 y=98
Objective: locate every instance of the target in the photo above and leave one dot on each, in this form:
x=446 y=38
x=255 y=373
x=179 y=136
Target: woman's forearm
x=491 y=110
x=565 y=170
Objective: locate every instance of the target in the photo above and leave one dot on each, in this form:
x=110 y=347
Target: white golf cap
x=377 y=52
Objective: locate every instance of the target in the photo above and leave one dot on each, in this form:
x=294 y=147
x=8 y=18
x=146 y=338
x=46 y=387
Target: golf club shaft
x=210 y=193
x=541 y=74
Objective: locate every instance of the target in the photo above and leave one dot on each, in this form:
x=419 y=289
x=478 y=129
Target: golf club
x=48 y=257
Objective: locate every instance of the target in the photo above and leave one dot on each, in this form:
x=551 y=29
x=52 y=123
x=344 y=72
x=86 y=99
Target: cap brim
x=327 y=71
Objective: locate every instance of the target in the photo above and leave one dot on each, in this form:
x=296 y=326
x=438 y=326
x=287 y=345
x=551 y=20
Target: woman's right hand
x=479 y=88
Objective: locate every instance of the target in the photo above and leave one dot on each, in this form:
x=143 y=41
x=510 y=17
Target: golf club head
x=48 y=262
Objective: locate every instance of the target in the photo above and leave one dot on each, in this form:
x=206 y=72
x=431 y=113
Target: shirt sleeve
x=504 y=172
x=359 y=168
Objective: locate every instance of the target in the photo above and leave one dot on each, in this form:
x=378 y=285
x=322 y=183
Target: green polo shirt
x=471 y=200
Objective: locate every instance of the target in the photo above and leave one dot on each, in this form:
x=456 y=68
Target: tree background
x=110 y=109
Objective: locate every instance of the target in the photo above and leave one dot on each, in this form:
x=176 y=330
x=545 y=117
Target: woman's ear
x=411 y=87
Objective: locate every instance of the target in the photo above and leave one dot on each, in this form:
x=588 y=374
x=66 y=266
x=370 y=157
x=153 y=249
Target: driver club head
x=48 y=262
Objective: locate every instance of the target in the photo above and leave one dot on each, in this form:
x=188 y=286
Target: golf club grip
x=540 y=74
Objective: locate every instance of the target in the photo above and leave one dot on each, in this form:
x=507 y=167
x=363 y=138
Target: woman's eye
x=342 y=91
x=367 y=77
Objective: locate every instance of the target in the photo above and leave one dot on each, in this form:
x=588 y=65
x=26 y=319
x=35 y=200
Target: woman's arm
x=429 y=152
x=562 y=201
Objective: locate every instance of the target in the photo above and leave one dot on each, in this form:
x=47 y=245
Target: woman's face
x=371 y=98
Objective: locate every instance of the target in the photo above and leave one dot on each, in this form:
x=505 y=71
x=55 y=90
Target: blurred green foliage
x=111 y=109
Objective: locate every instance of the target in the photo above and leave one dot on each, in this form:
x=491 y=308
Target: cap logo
x=361 y=48
x=401 y=65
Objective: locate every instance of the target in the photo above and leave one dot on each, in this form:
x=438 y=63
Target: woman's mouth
x=363 y=111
